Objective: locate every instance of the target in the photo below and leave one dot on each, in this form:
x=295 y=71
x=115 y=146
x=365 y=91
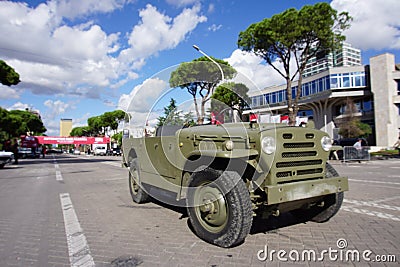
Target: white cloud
x=7 y=92
x=141 y=101
x=56 y=58
x=144 y=96
x=20 y=106
x=76 y=8
x=156 y=32
x=211 y=8
x=375 y=25
x=252 y=70
x=56 y=107
x=215 y=27
x=180 y=3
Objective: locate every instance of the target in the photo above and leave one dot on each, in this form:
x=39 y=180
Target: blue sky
x=79 y=59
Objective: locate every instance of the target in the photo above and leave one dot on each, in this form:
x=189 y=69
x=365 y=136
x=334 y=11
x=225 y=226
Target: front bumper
x=305 y=189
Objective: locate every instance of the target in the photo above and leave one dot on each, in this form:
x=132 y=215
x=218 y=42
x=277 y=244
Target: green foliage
x=112 y=119
x=98 y=124
x=228 y=95
x=174 y=117
x=199 y=78
x=171 y=115
x=18 y=122
x=295 y=35
x=366 y=130
x=350 y=125
x=8 y=76
x=118 y=138
x=355 y=128
x=80 y=131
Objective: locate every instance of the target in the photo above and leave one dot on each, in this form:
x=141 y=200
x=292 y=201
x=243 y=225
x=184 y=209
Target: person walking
x=15 y=151
x=44 y=150
x=397 y=145
x=357 y=145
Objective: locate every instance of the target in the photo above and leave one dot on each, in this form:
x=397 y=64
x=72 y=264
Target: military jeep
x=227 y=174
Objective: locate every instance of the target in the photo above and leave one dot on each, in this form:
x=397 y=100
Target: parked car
x=116 y=152
x=54 y=151
x=5 y=157
x=225 y=176
x=100 y=150
x=27 y=152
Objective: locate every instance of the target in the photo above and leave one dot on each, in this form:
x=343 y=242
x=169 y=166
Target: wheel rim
x=211 y=208
x=134 y=184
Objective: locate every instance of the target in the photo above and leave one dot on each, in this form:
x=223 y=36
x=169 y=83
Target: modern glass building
x=374 y=89
x=346 y=56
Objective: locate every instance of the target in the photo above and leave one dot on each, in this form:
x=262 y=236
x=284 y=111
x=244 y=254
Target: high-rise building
x=346 y=56
x=65 y=127
x=374 y=89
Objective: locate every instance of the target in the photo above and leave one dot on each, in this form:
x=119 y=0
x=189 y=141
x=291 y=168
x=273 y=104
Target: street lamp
x=212 y=60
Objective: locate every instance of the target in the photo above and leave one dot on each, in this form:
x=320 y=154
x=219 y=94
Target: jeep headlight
x=326 y=143
x=268 y=145
x=229 y=145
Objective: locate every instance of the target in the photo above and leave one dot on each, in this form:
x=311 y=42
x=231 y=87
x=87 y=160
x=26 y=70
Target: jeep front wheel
x=219 y=207
x=333 y=201
x=331 y=204
x=137 y=193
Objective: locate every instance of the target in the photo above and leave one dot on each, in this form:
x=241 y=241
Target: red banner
x=72 y=140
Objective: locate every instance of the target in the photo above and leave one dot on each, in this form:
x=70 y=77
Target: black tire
x=137 y=193
x=332 y=204
x=2 y=165
x=335 y=200
x=221 y=219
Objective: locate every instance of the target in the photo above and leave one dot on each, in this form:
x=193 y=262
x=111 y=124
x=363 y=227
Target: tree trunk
x=292 y=115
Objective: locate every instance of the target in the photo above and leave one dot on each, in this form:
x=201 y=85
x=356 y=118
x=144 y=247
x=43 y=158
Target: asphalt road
x=77 y=211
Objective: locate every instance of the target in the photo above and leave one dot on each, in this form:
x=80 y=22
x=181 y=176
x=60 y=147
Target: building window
x=367 y=105
x=334 y=82
x=398 y=87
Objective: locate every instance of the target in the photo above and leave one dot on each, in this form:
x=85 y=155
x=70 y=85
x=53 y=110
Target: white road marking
x=373 y=182
x=370 y=204
x=115 y=164
x=56 y=166
x=371 y=213
x=113 y=179
x=78 y=249
x=59 y=176
x=386 y=199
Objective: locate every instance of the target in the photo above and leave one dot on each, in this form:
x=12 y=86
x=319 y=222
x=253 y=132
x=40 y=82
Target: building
x=65 y=127
x=346 y=56
x=374 y=89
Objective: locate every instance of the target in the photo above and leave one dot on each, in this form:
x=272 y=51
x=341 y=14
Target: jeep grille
x=297 y=158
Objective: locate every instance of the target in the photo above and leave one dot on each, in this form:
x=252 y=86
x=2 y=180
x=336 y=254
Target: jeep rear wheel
x=137 y=193
x=219 y=210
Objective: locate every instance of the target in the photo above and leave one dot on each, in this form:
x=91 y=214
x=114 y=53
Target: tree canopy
x=228 y=95
x=295 y=36
x=172 y=116
x=350 y=125
x=8 y=76
x=97 y=125
x=200 y=77
x=15 y=123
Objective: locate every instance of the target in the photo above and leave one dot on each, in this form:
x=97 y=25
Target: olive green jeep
x=227 y=174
